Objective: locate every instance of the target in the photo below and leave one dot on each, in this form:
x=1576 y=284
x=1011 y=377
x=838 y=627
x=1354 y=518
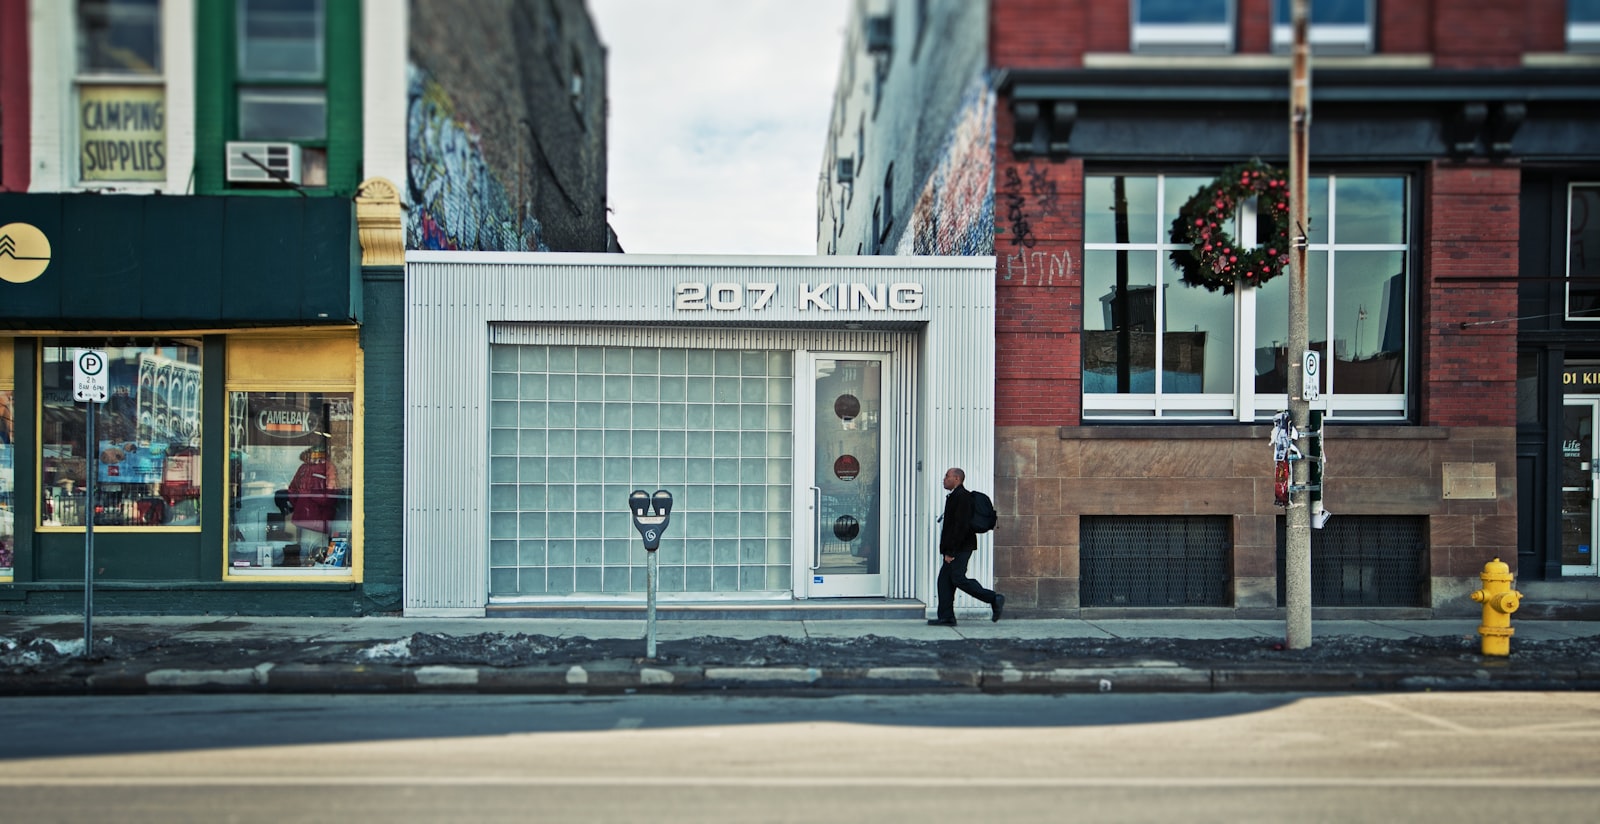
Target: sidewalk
x=43 y=655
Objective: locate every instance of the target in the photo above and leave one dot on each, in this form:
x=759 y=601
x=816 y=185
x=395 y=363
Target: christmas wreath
x=1214 y=260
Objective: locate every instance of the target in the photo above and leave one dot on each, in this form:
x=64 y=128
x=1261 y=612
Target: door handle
x=816 y=528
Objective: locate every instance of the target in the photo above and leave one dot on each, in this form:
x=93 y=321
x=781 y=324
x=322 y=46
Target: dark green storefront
x=255 y=371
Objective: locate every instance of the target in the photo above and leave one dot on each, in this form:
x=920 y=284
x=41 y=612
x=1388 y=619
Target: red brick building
x=1455 y=159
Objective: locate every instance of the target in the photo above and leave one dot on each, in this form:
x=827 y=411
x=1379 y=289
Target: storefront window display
x=7 y=486
x=290 y=481
x=146 y=441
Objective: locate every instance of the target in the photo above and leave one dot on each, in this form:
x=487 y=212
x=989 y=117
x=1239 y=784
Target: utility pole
x=1297 y=540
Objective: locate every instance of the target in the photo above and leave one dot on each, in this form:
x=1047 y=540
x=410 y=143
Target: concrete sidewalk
x=43 y=655
x=375 y=629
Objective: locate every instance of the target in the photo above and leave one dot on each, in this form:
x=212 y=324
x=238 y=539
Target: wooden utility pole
x=1297 y=540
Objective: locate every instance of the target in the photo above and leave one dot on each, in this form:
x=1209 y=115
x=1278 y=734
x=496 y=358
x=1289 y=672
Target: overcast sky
x=719 y=109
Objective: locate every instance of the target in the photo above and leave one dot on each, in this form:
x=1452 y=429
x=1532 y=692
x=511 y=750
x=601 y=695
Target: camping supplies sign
x=122 y=132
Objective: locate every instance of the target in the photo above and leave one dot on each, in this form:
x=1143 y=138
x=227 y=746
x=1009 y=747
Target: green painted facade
x=217 y=107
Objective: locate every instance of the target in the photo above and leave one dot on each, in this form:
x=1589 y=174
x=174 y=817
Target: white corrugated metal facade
x=937 y=327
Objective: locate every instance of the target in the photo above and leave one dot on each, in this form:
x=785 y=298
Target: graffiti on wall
x=456 y=200
x=954 y=213
x=1024 y=195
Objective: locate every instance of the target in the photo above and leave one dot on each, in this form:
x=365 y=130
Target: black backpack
x=983 y=514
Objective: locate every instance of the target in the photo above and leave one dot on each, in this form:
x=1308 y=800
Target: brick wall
x=1470 y=230
x=1039 y=287
x=1047 y=478
x=1046 y=34
x=1032 y=34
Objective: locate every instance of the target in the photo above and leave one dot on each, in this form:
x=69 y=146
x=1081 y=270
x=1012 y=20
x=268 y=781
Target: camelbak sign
x=823 y=297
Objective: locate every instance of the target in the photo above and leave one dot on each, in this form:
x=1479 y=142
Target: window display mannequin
x=311 y=492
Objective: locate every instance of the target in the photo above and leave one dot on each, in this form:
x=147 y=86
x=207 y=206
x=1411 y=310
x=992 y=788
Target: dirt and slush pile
x=25 y=654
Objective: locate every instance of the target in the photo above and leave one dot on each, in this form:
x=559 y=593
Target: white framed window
x=120 y=92
x=1156 y=348
x=1337 y=26
x=1583 y=25
x=1583 y=251
x=1183 y=26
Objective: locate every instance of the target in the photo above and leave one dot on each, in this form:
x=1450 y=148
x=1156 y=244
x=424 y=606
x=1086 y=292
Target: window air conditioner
x=263 y=162
x=846 y=172
x=880 y=34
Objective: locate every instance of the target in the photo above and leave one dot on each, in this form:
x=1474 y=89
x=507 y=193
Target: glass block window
x=575 y=429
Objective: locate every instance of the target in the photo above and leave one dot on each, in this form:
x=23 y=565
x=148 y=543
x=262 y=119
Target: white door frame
x=810 y=579
x=1591 y=464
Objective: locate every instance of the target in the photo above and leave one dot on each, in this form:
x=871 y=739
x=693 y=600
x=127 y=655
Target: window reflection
x=1583 y=253
x=119 y=37
x=146 y=439
x=1357 y=295
x=8 y=486
x=290 y=477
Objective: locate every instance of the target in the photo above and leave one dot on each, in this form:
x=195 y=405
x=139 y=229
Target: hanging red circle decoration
x=1214 y=260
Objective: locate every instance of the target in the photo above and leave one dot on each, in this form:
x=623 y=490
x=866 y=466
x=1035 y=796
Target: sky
x=718 y=115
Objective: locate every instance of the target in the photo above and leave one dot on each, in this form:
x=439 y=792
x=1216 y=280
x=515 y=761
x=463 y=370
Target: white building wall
x=453 y=298
x=52 y=34
x=385 y=37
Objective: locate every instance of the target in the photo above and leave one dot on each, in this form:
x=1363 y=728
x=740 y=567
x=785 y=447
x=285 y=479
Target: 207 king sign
x=692 y=296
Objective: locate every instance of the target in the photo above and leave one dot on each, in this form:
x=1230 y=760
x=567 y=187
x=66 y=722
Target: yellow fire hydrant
x=1499 y=601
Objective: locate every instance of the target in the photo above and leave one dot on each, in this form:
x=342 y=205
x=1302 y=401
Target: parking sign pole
x=90 y=386
x=88 y=535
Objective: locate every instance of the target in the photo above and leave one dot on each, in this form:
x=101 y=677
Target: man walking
x=957 y=542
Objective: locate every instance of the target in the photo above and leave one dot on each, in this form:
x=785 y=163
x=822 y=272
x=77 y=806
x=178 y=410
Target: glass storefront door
x=1578 y=488
x=841 y=538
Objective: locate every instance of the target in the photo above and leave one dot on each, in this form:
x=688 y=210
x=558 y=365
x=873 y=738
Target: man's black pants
x=953 y=576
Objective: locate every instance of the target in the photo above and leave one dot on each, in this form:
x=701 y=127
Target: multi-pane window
x=282 y=78
x=121 y=117
x=1337 y=26
x=1583 y=25
x=1583 y=252
x=575 y=429
x=144 y=448
x=1183 y=26
x=1156 y=347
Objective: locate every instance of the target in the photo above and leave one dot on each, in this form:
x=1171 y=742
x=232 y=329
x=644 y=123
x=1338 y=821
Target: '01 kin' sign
x=824 y=297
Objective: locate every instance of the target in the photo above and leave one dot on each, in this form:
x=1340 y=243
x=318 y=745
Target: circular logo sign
x=846 y=528
x=846 y=468
x=24 y=252
x=847 y=407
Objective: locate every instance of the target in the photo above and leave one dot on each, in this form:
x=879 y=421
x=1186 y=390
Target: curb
x=618 y=676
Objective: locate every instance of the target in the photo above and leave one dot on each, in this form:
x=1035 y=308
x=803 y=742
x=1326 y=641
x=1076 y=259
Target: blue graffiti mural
x=456 y=200
x=954 y=214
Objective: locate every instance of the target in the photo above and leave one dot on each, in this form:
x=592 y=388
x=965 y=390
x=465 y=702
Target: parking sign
x=89 y=376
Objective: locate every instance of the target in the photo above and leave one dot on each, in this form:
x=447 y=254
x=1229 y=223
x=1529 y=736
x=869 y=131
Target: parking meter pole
x=650 y=611
x=88 y=535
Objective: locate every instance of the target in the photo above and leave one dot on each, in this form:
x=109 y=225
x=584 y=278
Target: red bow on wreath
x=1214 y=260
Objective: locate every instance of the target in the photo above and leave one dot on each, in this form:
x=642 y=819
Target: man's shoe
x=998 y=606
x=935 y=622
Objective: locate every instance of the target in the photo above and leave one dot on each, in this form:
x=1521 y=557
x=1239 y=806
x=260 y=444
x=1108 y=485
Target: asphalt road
x=645 y=758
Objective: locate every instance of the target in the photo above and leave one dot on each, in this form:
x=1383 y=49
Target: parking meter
x=650 y=516
x=651 y=513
